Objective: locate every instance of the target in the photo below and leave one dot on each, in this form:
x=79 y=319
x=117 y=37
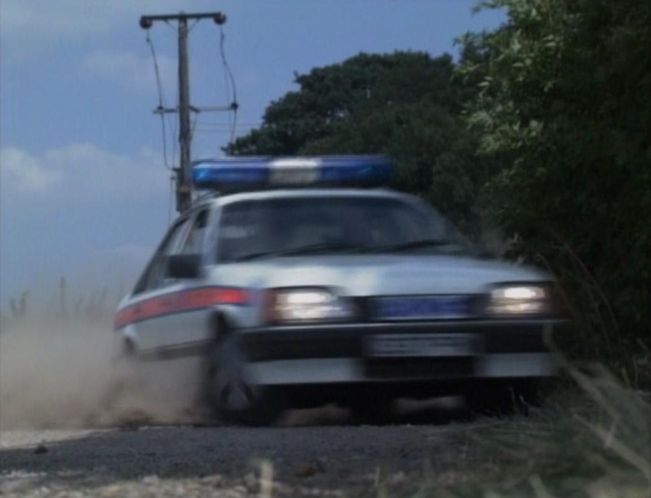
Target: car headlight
x=297 y=305
x=520 y=299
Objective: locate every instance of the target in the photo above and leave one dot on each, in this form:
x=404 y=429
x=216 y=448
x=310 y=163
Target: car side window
x=194 y=242
x=155 y=273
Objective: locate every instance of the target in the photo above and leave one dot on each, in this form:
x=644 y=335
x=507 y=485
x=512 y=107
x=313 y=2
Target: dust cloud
x=65 y=373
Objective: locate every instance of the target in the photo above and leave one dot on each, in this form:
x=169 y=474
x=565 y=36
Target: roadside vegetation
x=540 y=133
x=564 y=98
x=590 y=442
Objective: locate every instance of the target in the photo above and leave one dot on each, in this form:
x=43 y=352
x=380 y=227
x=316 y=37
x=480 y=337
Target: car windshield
x=318 y=225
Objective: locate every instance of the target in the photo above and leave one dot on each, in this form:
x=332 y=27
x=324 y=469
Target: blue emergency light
x=241 y=173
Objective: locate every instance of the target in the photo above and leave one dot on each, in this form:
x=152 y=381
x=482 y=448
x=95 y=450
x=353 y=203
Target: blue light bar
x=241 y=173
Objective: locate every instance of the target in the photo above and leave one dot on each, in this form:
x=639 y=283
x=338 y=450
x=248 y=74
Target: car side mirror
x=184 y=266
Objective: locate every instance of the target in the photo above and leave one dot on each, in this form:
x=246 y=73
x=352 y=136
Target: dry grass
x=593 y=441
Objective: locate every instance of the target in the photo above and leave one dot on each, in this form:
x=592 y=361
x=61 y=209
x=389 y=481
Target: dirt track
x=62 y=383
x=315 y=459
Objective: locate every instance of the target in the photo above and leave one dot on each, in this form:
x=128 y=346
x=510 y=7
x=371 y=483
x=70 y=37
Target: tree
x=564 y=92
x=407 y=105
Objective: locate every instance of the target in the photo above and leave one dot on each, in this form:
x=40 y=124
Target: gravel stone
x=201 y=461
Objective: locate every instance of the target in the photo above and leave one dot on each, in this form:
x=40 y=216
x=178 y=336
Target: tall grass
x=591 y=439
x=596 y=332
x=97 y=304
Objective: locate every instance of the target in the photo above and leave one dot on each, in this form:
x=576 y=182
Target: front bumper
x=336 y=354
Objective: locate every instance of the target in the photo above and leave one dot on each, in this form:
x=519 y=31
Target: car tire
x=232 y=398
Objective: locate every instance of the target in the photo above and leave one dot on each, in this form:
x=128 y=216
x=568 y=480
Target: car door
x=165 y=323
x=185 y=331
x=144 y=303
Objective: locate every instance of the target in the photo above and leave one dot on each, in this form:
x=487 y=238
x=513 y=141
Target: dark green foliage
x=564 y=91
x=558 y=151
x=406 y=104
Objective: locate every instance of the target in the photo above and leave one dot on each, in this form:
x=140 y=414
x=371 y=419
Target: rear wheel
x=231 y=394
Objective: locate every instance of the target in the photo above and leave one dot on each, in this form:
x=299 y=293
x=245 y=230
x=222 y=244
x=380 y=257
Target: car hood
x=367 y=275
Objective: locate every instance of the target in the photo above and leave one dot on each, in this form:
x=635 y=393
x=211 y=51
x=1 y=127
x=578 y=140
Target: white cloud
x=28 y=26
x=83 y=171
x=130 y=70
x=46 y=19
x=63 y=209
x=25 y=173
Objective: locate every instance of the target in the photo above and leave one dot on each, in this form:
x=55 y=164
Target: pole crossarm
x=211 y=108
x=182 y=15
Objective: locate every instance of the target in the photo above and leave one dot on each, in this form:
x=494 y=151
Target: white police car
x=298 y=282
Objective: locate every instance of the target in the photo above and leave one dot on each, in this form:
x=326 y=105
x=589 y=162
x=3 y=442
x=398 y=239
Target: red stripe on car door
x=178 y=302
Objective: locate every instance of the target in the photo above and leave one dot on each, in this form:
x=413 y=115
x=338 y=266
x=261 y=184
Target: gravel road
x=311 y=455
x=62 y=383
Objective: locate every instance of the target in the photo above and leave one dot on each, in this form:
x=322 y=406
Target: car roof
x=222 y=200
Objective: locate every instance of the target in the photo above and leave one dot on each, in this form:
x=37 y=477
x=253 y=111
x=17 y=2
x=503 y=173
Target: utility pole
x=185 y=133
x=184 y=171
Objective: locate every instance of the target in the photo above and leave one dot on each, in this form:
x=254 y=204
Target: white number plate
x=419 y=345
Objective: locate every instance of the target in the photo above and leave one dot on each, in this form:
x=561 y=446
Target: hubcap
x=235 y=396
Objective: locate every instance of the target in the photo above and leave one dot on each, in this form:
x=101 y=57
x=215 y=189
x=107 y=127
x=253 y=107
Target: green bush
x=564 y=95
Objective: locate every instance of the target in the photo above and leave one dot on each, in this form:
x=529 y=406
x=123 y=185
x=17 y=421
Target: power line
x=228 y=77
x=226 y=131
x=161 y=98
x=218 y=124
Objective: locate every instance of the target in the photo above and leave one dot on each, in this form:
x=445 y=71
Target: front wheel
x=231 y=394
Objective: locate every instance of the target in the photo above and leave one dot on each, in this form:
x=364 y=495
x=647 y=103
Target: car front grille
x=367 y=308
x=415 y=368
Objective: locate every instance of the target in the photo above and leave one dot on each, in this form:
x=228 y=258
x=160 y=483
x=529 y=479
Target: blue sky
x=84 y=192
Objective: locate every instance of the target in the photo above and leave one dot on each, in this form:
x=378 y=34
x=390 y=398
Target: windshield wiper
x=414 y=244
x=323 y=247
x=319 y=247
x=255 y=255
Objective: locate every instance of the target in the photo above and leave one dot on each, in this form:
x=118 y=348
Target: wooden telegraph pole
x=184 y=171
